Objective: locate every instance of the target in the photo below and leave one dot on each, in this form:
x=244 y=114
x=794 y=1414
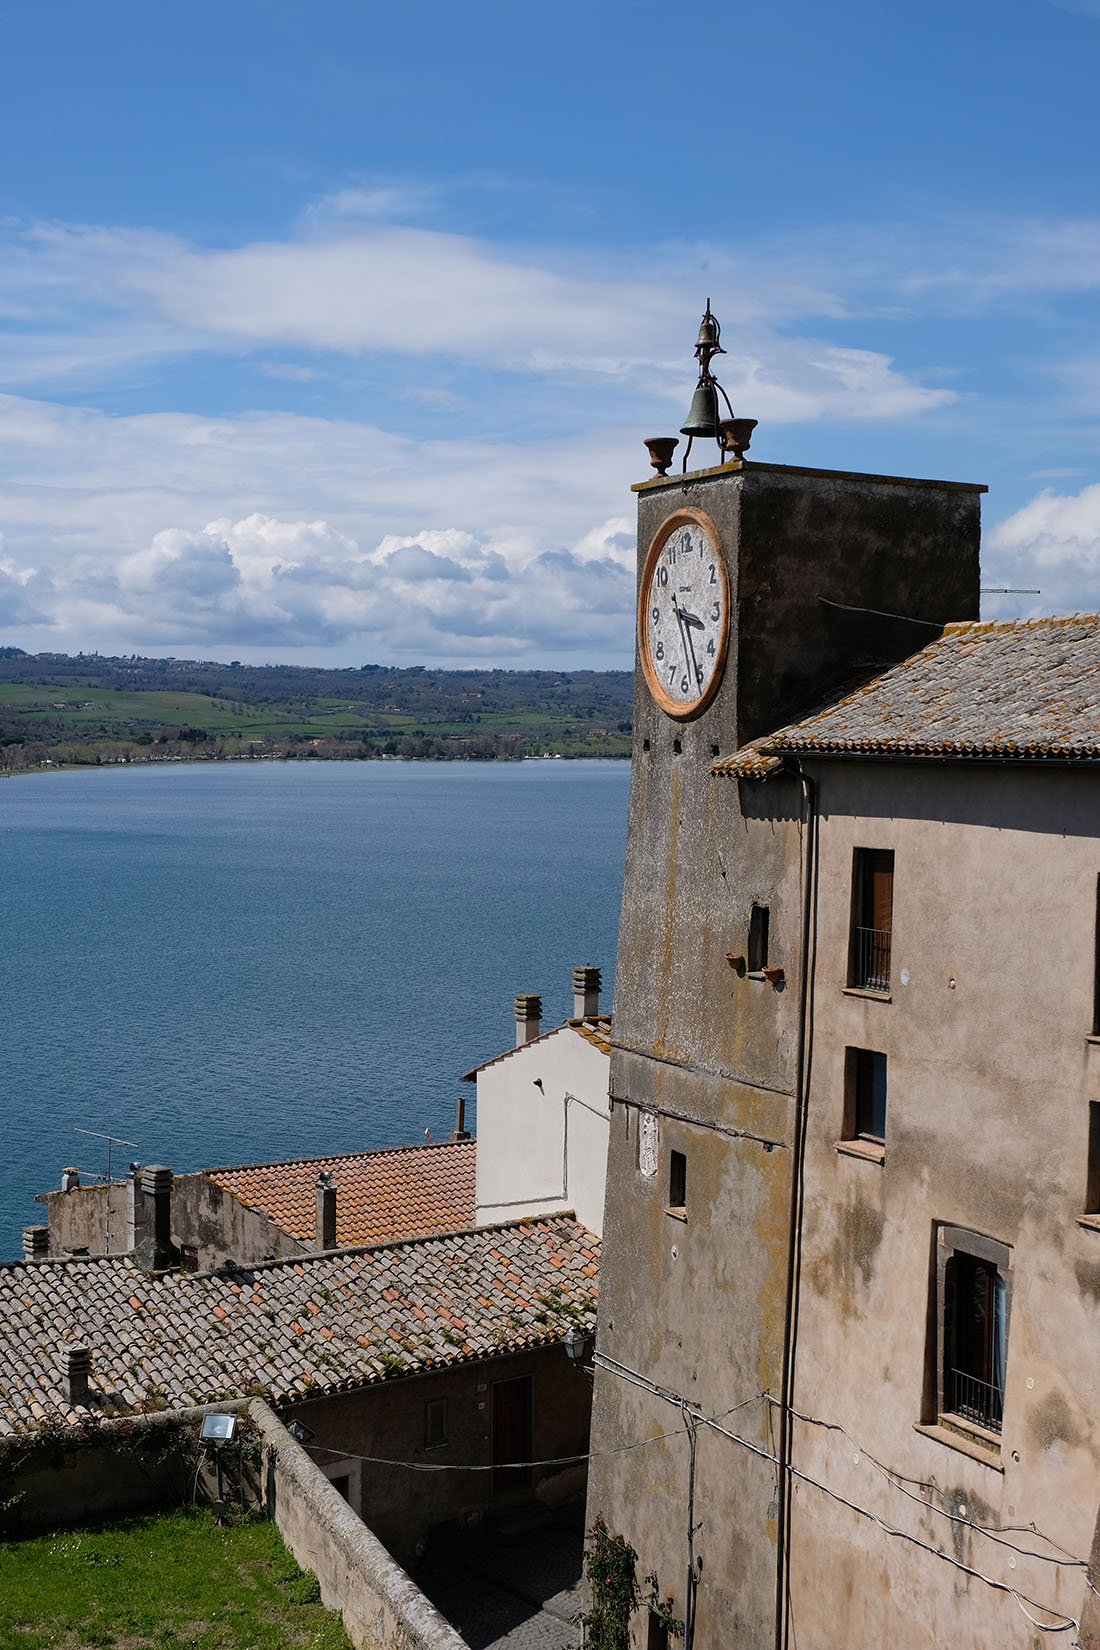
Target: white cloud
x=392 y=290
x=1053 y=543
x=181 y=534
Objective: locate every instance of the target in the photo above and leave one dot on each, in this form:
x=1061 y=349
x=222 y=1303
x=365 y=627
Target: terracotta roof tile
x=205 y=1336
x=407 y=1191
x=1024 y=689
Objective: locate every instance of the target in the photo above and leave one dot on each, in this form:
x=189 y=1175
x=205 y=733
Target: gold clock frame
x=673 y=707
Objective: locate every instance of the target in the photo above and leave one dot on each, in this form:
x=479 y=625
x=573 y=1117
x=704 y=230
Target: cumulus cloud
x=1052 y=543
x=263 y=582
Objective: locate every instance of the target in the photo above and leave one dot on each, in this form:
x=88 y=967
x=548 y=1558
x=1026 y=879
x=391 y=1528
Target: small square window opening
x=677 y=1180
x=1092 y=1181
x=758 y=938
x=865 y=1096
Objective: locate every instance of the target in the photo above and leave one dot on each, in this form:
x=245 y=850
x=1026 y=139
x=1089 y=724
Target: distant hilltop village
x=57 y=710
x=840 y=1139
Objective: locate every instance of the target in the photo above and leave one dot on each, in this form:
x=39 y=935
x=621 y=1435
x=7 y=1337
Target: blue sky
x=330 y=333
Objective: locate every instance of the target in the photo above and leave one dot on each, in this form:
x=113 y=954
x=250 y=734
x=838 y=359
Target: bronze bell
x=703 y=416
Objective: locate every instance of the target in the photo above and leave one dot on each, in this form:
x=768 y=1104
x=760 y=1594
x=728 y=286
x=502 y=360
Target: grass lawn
x=167 y=1582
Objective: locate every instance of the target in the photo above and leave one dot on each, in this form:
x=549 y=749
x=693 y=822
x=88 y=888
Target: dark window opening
x=758 y=938
x=342 y=1485
x=657 y=1636
x=974 y=1340
x=1092 y=1184
x=865 y=1107
x=872 y=919
x=435 y=1423
x=677 y=1180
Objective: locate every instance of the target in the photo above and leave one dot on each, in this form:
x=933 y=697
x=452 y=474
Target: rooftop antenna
x=112 y=1141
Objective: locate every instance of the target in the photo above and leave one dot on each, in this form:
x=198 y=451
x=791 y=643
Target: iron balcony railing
x=975 y=1400
x=871 y=960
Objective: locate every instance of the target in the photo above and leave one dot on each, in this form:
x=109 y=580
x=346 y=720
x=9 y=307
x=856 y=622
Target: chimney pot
x=326 y=1211
x=36 y=1242
x=528 y=1015
x=76 y=1375
x=586 y=991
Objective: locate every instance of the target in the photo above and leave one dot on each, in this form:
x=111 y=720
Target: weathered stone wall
x=205 y=1217
x=381 y=1607
x=991 y=1065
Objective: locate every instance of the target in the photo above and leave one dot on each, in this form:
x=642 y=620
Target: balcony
x=870 y=959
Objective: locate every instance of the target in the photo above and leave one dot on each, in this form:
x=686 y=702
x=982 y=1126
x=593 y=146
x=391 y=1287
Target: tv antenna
x=112 y=1141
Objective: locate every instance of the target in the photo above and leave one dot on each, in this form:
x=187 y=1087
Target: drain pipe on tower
x=798 y=1190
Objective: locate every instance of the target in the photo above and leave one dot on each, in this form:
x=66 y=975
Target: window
x=435 y=1423
x=657 y=1635
x=973 y=1285
x=758 y=938
x=865 y=1095
x=872 y=919
x=677 y=1182
x=1092 y=1182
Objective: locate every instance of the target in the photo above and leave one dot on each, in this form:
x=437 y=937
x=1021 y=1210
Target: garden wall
x=382 y=1607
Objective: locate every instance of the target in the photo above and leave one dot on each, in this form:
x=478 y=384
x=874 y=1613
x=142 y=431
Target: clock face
x=684 y=614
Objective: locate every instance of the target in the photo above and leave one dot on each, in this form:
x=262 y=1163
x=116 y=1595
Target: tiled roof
x=595 y=1030
x=1021 y=688
x=406 y=1192
x=319 y=1323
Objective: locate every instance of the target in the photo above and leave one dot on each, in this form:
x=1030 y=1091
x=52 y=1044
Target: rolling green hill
x=57 y=710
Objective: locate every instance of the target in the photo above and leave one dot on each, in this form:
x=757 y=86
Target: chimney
x=326 y=1210
x=528 y=1015
x=155 y=1252
x=586 y=991
x=36 y=1243
x=460 y=1131
x=76 y=1374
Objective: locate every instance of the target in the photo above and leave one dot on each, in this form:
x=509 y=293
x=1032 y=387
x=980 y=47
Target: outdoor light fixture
x=300 y=1433
x=218 y=1429
x=574 y=1345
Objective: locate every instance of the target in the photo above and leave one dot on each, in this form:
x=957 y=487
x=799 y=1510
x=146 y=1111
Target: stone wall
x=381 y=1606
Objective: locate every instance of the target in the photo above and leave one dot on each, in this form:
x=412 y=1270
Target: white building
x=542 y=1113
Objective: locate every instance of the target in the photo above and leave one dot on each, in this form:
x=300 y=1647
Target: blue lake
x=230 y=962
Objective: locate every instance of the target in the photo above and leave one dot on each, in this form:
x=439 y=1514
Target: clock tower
x=763 y=590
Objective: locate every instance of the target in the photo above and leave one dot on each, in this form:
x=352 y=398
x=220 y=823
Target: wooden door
x=512 y=1434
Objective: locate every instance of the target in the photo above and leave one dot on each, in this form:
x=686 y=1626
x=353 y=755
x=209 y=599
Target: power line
x=1021 y=1599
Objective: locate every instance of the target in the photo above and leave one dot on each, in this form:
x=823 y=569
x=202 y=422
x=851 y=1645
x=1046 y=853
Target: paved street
x=511 y=1591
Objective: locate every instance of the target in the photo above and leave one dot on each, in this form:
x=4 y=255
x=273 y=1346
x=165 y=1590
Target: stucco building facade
x=849 y=1286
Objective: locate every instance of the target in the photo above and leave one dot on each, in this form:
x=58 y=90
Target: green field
x=172 y=1582
x=56 y=710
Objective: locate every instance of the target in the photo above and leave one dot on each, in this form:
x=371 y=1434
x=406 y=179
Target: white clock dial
x=683 y=615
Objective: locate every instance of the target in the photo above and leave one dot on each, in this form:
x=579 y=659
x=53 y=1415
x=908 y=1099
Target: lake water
x=232 y=962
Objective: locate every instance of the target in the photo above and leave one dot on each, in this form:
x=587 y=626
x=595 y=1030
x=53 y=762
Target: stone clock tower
x=763 y=590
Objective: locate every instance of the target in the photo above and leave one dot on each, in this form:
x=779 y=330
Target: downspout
x=798 y=1179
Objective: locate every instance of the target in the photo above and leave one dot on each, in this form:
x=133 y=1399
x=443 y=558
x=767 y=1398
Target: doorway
x=512 y=1434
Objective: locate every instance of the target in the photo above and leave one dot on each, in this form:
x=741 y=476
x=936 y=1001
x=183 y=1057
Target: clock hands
x=689 y=622
x=684 y=639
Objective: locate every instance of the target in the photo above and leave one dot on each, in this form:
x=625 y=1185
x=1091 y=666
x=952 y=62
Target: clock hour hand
x=690 y=619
